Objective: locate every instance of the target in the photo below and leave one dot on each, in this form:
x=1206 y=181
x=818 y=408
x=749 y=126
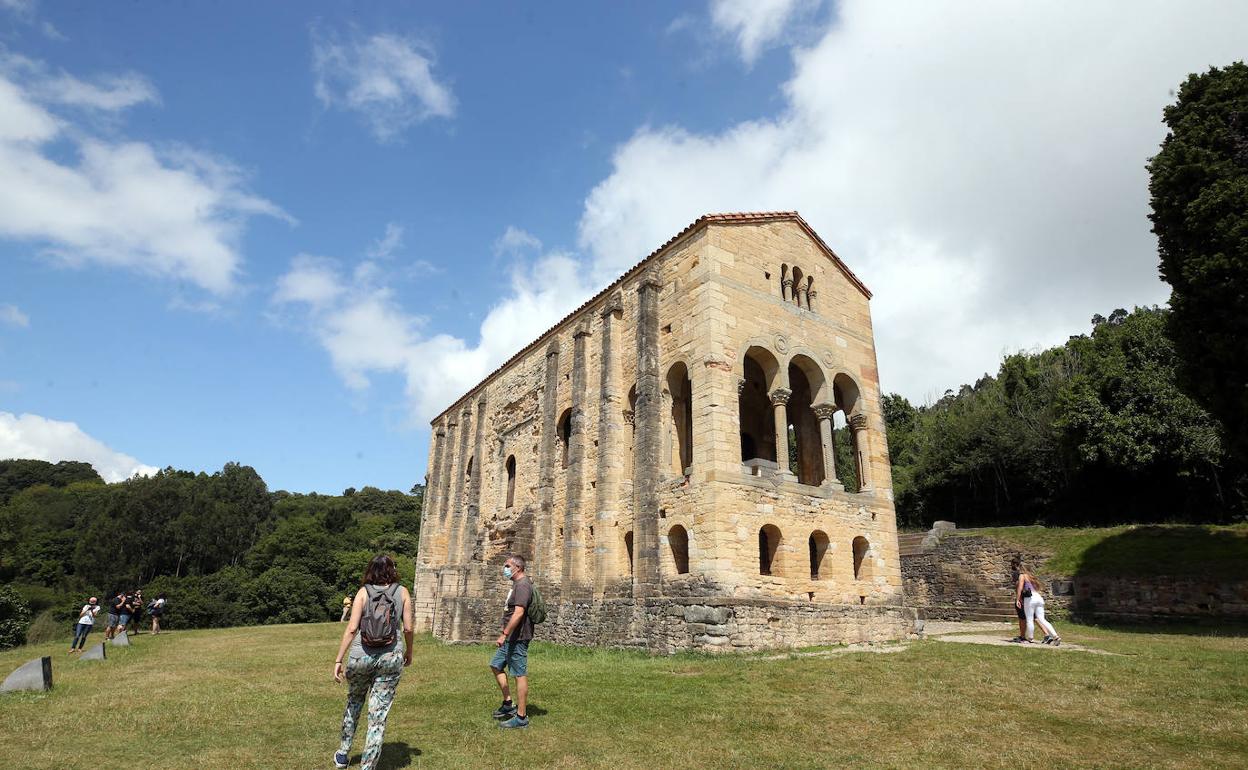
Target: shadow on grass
x=1185 y=627
x=535 y=710
x=1178 y=551
x=393 y=754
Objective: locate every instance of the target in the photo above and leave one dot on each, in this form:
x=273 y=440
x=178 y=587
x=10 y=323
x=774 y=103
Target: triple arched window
x=797 y=287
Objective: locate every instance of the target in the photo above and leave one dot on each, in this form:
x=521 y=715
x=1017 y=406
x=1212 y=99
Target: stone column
x=609 y=444
x=779 y=405
x=573 y=543
x=648 y=442
x=825 y=412
x=786 y=289
x=862 y=450
x=810 y=299
x=457 y=513
x=446 y=495
x=544 y=526
x=468 y=543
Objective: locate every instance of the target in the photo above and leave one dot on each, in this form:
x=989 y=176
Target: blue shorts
x=512 y=657
x=112 y=620
x=125 y=619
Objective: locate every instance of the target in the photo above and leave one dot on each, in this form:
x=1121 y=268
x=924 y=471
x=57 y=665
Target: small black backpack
x=379 y=624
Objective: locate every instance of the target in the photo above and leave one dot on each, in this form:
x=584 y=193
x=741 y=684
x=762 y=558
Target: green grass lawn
x=1135 y=550
x=263 y=698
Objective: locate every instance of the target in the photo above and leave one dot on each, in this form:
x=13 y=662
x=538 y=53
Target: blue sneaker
x=515 y=722
x=505 y=711
x=341 y=759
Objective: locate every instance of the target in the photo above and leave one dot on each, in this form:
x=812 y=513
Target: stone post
x=457 y=514
x=573 y=542
x=445 y=496
x=862 y=450
x=468 y=542
x=786 y=289
x=546 y=466
x=825 y=412
x=433 y=494
x=608 y=446
x=779 y=404
x=810 y=299
x=648 y=443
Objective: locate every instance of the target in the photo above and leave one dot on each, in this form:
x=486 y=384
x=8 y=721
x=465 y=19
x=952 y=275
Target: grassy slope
x=1136 y=550
x=262 y=698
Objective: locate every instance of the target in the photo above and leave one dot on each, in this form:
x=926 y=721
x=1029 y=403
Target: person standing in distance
x=381 y=610
x=513 y=645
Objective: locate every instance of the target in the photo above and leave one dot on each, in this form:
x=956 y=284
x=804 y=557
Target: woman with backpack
x=374 y=656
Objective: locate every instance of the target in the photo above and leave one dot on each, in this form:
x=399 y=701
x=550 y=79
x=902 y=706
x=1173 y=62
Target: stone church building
x=663 y=457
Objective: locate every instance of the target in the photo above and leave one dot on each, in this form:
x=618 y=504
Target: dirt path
x=996 y=634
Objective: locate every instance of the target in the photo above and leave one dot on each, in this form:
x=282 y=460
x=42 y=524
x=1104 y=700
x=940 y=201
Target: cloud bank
x=31 y=437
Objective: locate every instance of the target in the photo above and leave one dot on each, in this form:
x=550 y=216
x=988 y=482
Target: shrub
x=284 y=595
x=47 y=627
x=14 y=618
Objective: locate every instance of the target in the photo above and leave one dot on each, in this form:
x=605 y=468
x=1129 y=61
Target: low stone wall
x=968 y=577
x=671 y=624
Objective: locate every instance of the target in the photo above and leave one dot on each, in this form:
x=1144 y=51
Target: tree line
x=224 y=549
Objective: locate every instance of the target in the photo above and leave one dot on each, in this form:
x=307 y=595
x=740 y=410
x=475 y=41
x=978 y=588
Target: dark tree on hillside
x=1200 y=215
x=16 y=475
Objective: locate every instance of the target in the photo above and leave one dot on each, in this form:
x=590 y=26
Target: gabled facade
x=630 y=454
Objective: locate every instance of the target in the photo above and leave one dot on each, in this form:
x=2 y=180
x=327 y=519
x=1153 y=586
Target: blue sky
x=287 y=234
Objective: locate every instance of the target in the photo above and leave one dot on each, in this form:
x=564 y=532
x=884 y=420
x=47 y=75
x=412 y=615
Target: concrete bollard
x=33 y=675
x=121 y=640
x=96 y=652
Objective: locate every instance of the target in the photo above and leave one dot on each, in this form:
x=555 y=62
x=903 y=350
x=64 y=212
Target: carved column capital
x=787 y=282
x=614 y=306
x=740 y=386
x=824 y=411
x=858 y=421
x=552 y=349
x=581 y=332
x=630 y=417
x=649 y=280
x=440 y=432
x=780 y=396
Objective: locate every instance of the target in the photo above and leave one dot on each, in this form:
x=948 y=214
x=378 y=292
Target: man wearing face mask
x=512 y=655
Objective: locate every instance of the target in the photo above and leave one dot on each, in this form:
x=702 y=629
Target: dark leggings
x=80 y=636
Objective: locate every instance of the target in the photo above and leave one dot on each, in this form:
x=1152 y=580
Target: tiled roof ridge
x=697 y=224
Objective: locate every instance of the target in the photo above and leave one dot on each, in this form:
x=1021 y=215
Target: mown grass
x=1218 y=552
x=262 y=698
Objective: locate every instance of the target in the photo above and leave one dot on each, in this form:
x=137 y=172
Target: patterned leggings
x=380 y=674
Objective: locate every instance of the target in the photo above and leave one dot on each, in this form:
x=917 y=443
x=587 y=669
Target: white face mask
x=507 y=571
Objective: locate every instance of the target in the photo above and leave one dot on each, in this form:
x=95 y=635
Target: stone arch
x=760 y=373
x=563 y=434
x=769 y=538
x=678 y=541
x=848 y=399
x=511 y=480
x=861 y=547
x=805 y=452
x=680 y=421
x=817 y=545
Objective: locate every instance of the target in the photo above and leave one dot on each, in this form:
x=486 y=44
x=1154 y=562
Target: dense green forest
x=1095 y=431
x=225 y=549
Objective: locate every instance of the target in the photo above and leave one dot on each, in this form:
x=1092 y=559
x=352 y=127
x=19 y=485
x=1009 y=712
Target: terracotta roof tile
x=697 y=224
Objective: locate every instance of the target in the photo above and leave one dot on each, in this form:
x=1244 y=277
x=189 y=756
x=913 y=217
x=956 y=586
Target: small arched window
x=468 y=470
x=511 y=481
x=628 y=548
x=564 y=432
x=818 y=545
x=768 y=549
x=678 y=540
x=860 y=554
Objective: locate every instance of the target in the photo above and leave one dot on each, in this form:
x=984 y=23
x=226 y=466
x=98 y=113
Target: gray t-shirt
x=520 y=595
x=357 y=645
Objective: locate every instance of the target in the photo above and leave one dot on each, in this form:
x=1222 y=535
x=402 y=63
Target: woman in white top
x=86 y=621
x=1027 y=596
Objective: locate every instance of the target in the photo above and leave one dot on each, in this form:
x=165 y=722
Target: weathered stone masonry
x=663 y=457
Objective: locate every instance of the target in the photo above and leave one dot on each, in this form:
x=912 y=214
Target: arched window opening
x=628 y=548
x=845 y=443
x=564 y=433
x=861 y=547
x=798 y=286
x=511 y=481
x=468 y=469
x=806 y=381
x=678 y=540
x=755 y=415
x=818 y=546
x=681 y=419
x=768 y=549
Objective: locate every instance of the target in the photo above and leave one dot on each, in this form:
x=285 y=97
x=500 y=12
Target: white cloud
x=388 y=79
x=13 y=316
x=384 y=247
x=367 y=332
x=757 y=24
x=31 y=437
x=170 y=211
x=515 y=241
x=980 y=166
